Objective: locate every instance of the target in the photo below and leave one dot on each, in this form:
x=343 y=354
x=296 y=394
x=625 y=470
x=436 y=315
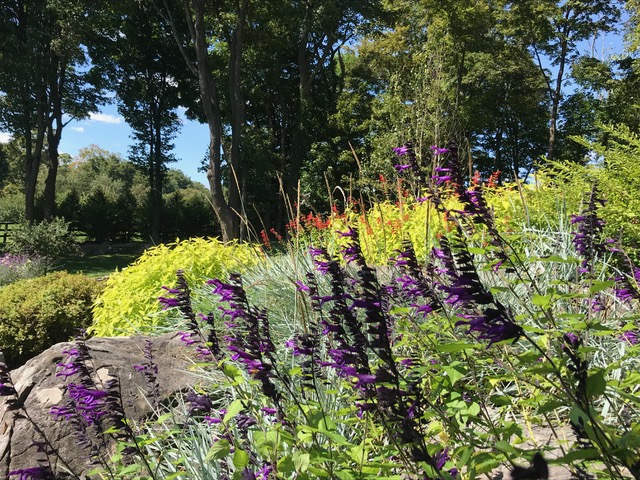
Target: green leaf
x=301 y=461
x=582 y=454
x=327 y=425
x=130 y=469
x=599 y=285
x=218 y=450
x=240 y=459
x=554 y=258
x=541 y=301
x=596 y=383
x=454 y=373
x=344 y=474
x=455 y=347
x=506 y=447
x=550 y=406
x=175 y=475
x=231 y=371
x=233 y=409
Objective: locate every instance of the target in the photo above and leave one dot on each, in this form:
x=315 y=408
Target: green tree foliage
x=107 y=197
x=43 y=82
x=46 y=242
x=146 y=71
x=269 y=76
x=555 y=29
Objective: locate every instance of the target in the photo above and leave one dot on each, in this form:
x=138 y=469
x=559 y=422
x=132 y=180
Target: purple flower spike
x=185 y=337
x=34 y=473
x=630 y=337
x=401 y=168
x=264 y=472
x=588 y=237
x=438 y=151
x=401 y=151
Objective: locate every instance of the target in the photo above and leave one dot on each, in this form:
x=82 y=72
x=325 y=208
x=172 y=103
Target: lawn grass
x=97 y=265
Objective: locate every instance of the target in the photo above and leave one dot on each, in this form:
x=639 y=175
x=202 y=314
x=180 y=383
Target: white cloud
x=4 y=137
x=78 y=129
x=105 y=118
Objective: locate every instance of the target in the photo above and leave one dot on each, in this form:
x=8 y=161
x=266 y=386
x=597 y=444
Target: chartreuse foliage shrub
x=617 y=172
x=434 y=369
x=129 y=302
x=39 y=312
x=562 y=188
x=382 y=228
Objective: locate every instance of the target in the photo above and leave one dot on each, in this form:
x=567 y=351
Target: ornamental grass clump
x=448 y=367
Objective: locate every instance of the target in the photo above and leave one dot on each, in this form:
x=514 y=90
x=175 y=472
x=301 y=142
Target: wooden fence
x=4 y=231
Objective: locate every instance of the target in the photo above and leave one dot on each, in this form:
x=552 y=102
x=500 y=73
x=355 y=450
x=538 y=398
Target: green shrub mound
x=129 y=303
x=39 y=312
x=46 y=241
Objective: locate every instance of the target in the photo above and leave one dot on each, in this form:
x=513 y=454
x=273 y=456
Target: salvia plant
x=17 y=267
x=493 y=351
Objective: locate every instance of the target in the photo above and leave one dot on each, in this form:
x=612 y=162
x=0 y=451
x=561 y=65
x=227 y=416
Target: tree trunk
x=34 y=156
x=227 y=213
x=156 y=177
x=54 y=135
x=555 y=100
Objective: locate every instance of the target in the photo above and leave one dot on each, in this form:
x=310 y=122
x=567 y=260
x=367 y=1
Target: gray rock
x=39 y=389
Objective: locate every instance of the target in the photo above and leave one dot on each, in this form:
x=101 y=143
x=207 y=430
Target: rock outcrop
x=38 y=388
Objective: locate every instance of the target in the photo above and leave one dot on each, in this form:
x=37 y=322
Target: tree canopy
x=301 y=98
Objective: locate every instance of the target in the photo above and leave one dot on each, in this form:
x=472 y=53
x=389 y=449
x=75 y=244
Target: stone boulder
x=39 y=389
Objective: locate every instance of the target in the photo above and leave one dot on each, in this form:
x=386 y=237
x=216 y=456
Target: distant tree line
x=107 y=198
x=304 y=97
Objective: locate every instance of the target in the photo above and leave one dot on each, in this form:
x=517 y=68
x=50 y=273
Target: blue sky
x=109 y=131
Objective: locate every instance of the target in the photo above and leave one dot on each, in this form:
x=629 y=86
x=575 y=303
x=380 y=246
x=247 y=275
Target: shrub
x=40 y=312
x=129 y=302
x=47 y=241
x=11 y=204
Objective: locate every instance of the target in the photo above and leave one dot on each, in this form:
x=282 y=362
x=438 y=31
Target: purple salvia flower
x=264 y=472
x=588 y=237
x=150 y=371
x=186 y=338
x=401 y=151
x=200 y=404
x=438 y=151
x=33 y=473
x=410 y=162
x=250 y=341
x=245 y=421
x=212 y=420
x=481 y=312
x=579 y=367
x=631 y=337
x=181 y=300
x=88 y=402
x=442 y=175
x=413 y=284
